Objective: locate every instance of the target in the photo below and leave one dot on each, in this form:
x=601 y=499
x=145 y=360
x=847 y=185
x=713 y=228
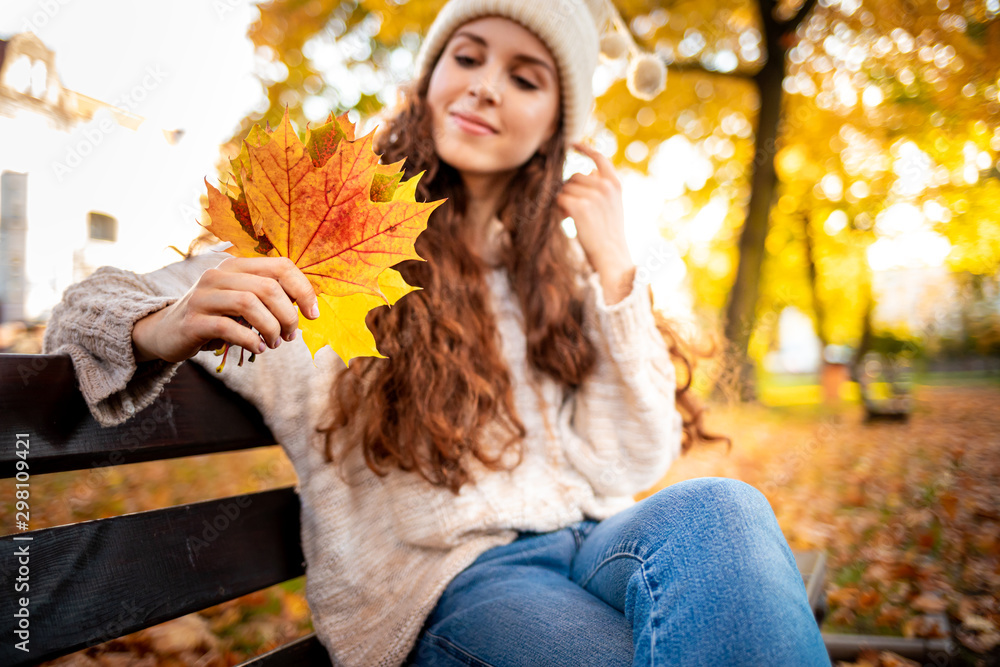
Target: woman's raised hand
x=594 y=201
x=261 y=290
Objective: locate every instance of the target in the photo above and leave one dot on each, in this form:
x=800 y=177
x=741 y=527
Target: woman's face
x=499 y=71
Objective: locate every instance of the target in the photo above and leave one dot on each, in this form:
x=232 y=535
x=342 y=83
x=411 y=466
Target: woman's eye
x=466 y=61
x=525 y=83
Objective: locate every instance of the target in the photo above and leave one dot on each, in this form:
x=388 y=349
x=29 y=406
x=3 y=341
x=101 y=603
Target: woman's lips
x=469 y=126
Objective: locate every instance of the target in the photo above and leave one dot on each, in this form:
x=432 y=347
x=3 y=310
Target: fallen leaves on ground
x=908 y=513
x=870 y=658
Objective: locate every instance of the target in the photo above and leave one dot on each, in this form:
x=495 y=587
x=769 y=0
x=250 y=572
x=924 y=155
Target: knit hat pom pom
x=647 y=76
x=614 y=45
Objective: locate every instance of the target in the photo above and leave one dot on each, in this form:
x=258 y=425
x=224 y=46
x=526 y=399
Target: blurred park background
x=817 y=190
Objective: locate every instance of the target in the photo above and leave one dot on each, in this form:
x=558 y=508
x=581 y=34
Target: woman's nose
x=487 y=85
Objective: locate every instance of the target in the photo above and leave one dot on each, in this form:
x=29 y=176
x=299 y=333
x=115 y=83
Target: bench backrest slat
x=96 y=580
x=303 y=652
x=93 y=581
x=195 y=414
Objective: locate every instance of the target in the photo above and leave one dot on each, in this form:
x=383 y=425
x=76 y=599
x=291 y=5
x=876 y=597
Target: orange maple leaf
x=327 y=204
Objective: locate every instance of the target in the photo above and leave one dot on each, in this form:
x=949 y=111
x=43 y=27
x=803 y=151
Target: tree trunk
x=832 y=374
x=865 y=343
x=740 y=316
x=740 y=310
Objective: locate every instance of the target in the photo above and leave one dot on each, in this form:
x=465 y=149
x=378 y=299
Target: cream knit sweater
x=380 y=551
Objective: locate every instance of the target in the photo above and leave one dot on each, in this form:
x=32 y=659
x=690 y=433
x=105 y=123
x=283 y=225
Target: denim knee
x=730 y=496
x=711 y=504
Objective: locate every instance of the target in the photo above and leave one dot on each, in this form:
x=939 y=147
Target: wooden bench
x=898 y=403
x=94 y=581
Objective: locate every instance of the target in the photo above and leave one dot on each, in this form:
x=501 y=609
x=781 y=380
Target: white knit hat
x=575 y=31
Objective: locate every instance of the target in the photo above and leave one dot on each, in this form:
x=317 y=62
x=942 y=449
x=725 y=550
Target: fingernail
x=314 y=311
x=261 y=347
x=277 y=342
x=290 y=337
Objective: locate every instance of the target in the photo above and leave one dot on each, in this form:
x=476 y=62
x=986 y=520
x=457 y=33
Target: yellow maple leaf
x=333 y=209
x=341 y=323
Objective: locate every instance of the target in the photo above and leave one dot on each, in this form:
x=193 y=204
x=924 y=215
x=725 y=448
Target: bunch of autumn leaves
x=340 y=216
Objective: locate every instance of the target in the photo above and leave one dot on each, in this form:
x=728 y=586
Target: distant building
x=799 y=349
x=924 y=302
x=61 y=155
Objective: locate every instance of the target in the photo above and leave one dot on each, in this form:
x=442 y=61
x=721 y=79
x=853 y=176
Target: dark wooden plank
x=812 y=567
x=924 y=651
x=96 y=580
x=303 y=652
x=195 y=414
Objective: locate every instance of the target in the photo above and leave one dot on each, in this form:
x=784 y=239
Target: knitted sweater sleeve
x=93 y=325
x=624 y=427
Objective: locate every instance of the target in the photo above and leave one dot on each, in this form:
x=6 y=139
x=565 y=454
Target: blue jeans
x=697 y=574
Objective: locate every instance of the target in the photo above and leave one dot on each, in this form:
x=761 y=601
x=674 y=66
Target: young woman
x=470 y=500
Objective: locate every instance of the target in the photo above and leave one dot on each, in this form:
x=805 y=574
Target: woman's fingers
x=601 y=161
x=239 y=293
x=248 y=306
x=262 y=301
x=575 y=190
x=229 y=330
x=293 y=282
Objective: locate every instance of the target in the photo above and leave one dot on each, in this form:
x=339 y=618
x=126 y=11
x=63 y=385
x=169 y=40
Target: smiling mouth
x=470 y=127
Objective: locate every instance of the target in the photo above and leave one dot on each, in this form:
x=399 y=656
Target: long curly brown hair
x=445 y=380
